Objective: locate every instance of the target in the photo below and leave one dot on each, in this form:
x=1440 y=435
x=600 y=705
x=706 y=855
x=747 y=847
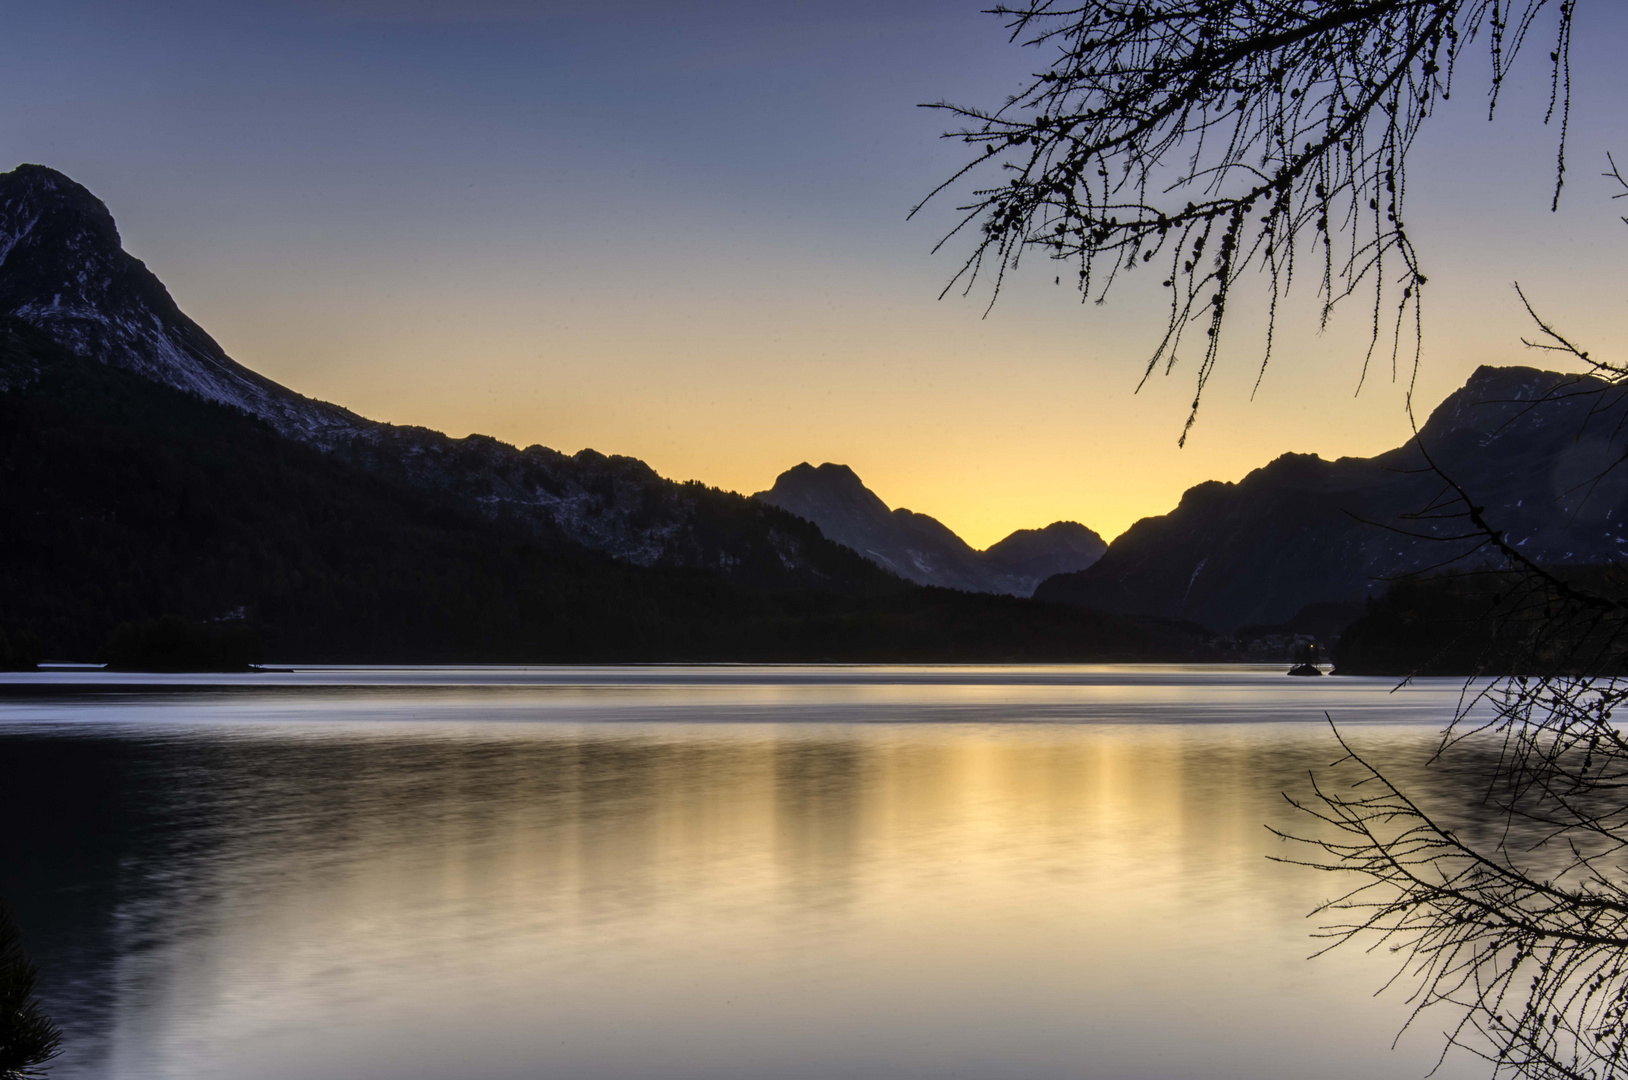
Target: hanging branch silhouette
x=1219 y=137
x=1508 y=898
x=28 y=1038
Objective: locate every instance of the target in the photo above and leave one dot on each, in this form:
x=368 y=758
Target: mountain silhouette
x=78 y=314
x=144 y=473
x=1539 y=450
x=921 y=548
x=64 y=273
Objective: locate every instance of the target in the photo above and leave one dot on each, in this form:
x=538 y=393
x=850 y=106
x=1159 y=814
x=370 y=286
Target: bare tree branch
x=1219 y=137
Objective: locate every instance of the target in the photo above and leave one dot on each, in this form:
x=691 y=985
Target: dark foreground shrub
x=28 y=1038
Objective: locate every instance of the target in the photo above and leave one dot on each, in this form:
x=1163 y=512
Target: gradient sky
x=677 y=231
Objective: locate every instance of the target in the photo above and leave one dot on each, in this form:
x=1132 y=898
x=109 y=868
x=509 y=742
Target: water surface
x=799 y=872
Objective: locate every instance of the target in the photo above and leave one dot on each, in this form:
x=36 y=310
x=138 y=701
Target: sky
x=679 y=231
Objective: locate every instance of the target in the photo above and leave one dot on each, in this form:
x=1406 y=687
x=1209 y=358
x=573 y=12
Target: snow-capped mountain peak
x=64 y=270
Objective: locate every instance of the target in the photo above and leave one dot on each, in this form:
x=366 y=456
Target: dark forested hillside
x=1486 y=623
x=65 y=274
x=1534 y=448
x=125 y=500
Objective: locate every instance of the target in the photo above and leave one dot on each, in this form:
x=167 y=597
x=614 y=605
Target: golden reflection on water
x=739 y=900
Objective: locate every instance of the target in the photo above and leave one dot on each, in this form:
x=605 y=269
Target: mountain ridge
x=64 y=272
x=921 y=548
x=1523 y=442
x=128 y=499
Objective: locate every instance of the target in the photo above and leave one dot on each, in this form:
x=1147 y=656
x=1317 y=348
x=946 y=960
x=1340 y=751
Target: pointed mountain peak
x=64 y=272
x=829 y=486
x=1493 y=396
x=1500 y=385
x=34 y=194
x=1069 y=536
x=922 y=548
x=1033 y=555
x=829 y=476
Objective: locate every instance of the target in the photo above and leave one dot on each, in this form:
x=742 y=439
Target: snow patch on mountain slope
x=64 y=272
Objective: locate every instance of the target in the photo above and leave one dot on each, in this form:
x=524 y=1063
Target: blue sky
x=677 y=230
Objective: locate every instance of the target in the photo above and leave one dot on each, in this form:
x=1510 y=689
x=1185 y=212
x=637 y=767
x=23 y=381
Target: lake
x=688 y=872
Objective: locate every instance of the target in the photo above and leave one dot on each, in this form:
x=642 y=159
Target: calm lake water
x=719 y=872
